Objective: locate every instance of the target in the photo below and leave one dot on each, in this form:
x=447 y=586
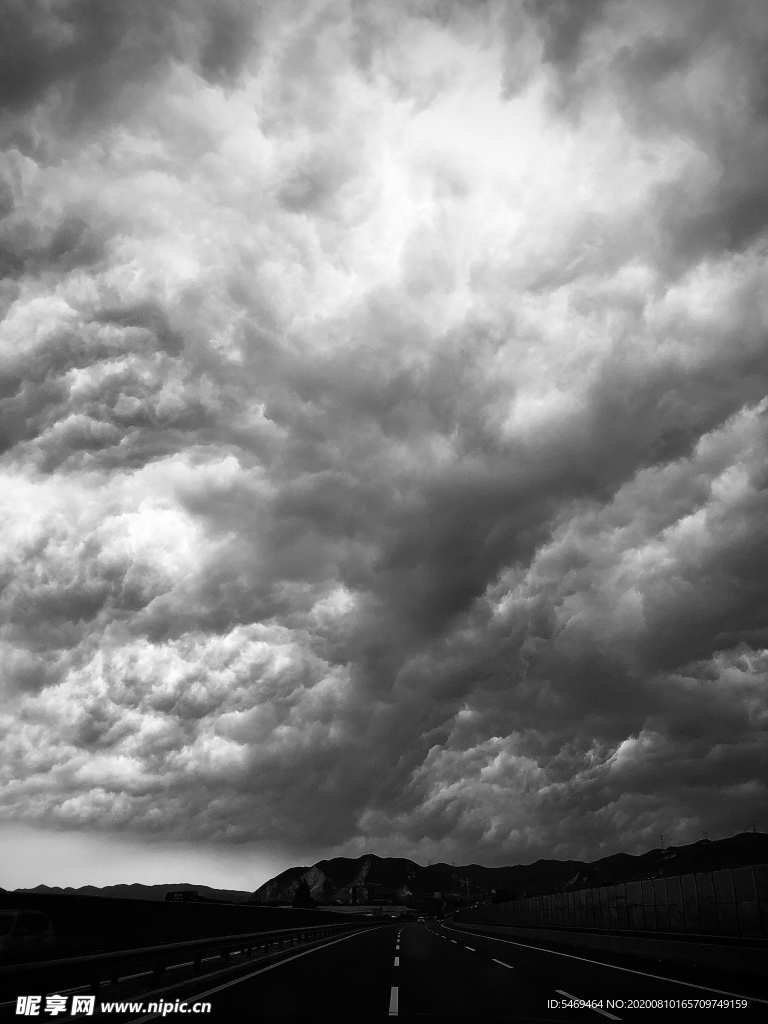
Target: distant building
x=184 y=896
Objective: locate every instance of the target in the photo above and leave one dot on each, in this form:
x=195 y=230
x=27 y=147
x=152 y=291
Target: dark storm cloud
x=659 y=68
x=722 y=206
x=93 y=48
x=71 y=244
x=63 y=414
x=149 y=317
x=563 y=27
x=360 y=493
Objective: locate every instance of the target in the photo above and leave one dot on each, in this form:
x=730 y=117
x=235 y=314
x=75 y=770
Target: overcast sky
x=383 y=428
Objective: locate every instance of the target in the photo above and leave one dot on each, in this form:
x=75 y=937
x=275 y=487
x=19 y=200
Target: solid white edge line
x=502 y=963
x=247 y=977
x=615 y=967
x=393 y=1001
x=594 y=1009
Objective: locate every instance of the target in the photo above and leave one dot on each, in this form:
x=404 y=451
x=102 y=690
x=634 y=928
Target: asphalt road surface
x=433 y=972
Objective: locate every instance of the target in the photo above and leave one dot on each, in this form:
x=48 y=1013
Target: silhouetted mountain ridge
x=334 y=879
x=137 y=891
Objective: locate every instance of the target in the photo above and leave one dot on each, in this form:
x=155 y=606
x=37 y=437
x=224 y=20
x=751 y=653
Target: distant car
x=421 y=918
x=25 y=935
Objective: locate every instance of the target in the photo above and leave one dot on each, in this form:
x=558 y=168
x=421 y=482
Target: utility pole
x=662 y=840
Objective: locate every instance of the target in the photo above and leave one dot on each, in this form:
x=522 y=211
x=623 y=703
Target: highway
x=434 y=972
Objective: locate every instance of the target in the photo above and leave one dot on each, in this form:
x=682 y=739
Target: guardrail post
x=225 y=956
x=95 y=982
x=197 y=962
x=158 y=970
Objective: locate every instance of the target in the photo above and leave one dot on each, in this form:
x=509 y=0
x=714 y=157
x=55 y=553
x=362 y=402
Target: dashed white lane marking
x=397 y=961
x=454 y=942
x=568 y=995
x=393 y=1002
x=502 y=963
x=471 y=949
x=628 y=970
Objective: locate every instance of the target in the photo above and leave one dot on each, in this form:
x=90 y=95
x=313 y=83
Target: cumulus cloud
x=383 y=423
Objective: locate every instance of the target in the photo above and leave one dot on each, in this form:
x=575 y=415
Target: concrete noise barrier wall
x=730 y=903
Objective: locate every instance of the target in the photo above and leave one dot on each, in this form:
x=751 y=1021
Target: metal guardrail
x=44 y=977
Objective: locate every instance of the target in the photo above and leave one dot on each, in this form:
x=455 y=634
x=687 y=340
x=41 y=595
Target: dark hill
x=392 y=872
x=334 y=879
x=526 y=876
x=282 y=887
x=136 y=891
x=705 y=855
